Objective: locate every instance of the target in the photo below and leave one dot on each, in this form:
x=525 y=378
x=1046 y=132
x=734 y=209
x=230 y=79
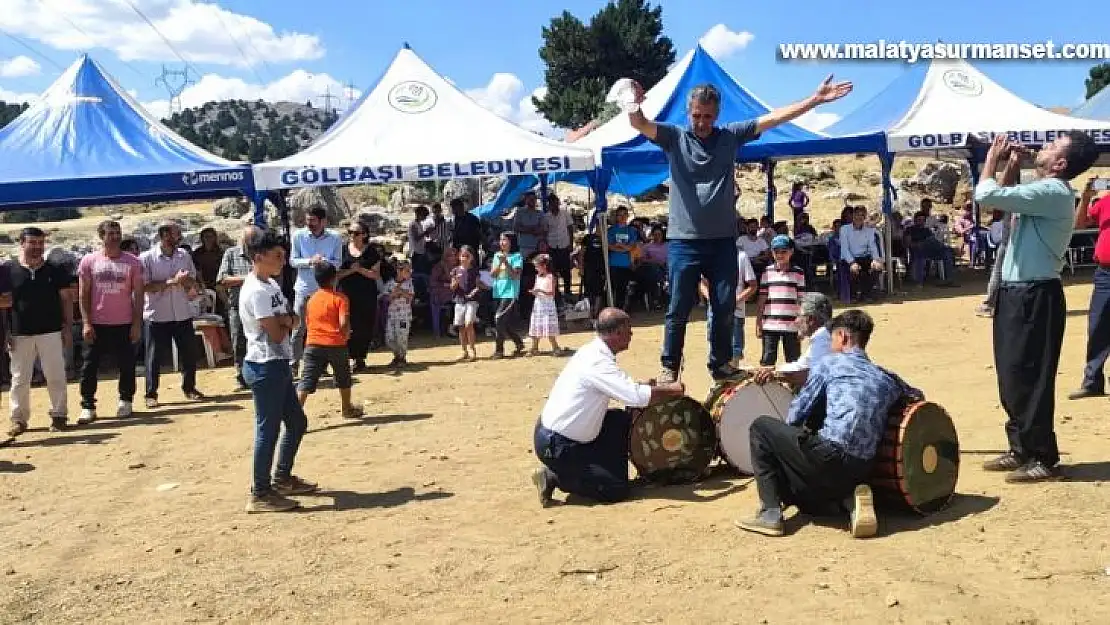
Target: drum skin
x=918 y=461
x=734 y=406
x=672 y=441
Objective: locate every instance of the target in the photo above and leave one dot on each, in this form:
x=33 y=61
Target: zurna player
x=823 y=468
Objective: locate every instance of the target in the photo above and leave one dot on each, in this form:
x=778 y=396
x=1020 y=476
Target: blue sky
x=309 y=47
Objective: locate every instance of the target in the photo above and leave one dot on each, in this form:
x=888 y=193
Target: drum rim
x=639 y=413
x=717 y=412
x=898 y=477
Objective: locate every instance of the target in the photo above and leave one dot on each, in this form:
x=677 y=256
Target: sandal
x=354 y=412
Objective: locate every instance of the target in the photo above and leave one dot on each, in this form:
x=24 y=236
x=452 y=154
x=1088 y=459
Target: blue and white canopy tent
x=414 y=125
x=632 y=165
x=86 y=141
x=1096 y=107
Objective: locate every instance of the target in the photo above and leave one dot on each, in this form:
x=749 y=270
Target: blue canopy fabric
x=508 y=195
x=886 y=108
x=1097 y=107
x=87 y=142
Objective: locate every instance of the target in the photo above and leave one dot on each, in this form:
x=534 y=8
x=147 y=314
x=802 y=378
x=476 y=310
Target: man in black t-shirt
x=923 y=245
x=41 y=322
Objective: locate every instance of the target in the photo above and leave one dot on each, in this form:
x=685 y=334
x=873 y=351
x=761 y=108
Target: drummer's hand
x=764 y=375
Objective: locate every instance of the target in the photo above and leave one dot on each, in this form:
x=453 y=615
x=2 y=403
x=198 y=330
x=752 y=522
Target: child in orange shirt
x=328 y=319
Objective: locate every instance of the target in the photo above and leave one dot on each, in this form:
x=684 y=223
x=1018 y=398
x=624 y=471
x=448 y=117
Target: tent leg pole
x=603 y=232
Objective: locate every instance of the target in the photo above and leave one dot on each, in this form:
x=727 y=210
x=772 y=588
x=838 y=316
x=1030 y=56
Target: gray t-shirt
x=703 y=191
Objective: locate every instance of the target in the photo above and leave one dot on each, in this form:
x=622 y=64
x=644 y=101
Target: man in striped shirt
x=778 y=306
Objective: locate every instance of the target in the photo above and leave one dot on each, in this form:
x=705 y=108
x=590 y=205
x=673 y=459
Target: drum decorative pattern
x=672 y=441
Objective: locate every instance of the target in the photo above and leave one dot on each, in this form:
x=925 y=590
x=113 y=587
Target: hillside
x=9 y=111
x=252 y=131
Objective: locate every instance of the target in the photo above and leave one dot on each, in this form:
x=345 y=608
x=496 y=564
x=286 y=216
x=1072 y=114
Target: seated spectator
x=651 y=272
x=924 y=246
x=859 y=251
x=757 y=249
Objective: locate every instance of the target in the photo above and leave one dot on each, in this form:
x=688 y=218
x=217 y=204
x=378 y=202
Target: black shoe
x=58 y=424
x=1033 y=471
x=726 y=372
x=1084 y=393
x=545 y=486
x=1008 y=461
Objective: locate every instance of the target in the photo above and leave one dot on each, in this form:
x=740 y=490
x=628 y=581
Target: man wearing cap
x=813 y=323
x=702 y=213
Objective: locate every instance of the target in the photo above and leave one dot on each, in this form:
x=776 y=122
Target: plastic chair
x=436 y=310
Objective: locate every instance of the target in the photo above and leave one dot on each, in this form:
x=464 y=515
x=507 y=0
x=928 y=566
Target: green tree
x=623 y=40
x=1099 y=78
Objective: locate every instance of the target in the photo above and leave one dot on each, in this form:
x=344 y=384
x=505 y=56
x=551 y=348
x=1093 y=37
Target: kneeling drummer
x=821 y=457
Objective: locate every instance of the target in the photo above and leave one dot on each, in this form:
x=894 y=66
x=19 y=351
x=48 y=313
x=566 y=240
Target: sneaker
x=735 y=362
x=725 y=372
x=88 y=415
x=195 y=395
x=667 y=376
x=864 y=523
x=1008 y=461
x=294 y=485
x=1084 y=393
x=1033 y=471
x=16 y=429
x=270 y=502
x=58 y=424
x=151 y=403
x=765 y=522
x=123 y=409
x=543 y=482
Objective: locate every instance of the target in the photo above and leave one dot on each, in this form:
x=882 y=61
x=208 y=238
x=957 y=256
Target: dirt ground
x=429 y=516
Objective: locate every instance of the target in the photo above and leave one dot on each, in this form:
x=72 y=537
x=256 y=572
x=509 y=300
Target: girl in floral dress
x=545 y=315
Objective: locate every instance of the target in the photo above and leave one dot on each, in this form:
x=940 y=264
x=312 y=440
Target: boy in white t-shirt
x=267 y=325
x=745 y=289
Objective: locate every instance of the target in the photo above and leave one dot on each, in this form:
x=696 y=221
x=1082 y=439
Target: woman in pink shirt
x=652 y=270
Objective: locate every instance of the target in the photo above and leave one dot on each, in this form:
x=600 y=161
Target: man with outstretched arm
x=702 y=212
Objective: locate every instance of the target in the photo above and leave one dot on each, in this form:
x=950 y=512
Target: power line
x=328 y=97
x=89 y=37
x=259 y=56
x=175 y=81
x=146 y=19
x=33 y=51
x=237 y=46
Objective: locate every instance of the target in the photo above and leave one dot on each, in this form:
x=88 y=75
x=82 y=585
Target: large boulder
x=407 y=194
x=231 y=207
x=465 y=188
x=304 y=199
x=378 y=222
x=490 y=187
x=937 y=180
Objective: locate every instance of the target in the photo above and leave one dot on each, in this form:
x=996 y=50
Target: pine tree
x=624 y=39
x=1099 y=78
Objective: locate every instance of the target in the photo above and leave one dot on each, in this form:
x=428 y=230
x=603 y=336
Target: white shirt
x=558 y=229
x=856 y=243
x=259 y=300
x=820 y=345
x=578 y=400
x=747 y=274
x=751 y=247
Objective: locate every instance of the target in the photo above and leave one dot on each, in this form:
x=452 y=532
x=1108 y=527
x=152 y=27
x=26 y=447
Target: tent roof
x=414 y=125
x=86 y=141
x=950 y=109
x=630 y=156
x=1096 y=107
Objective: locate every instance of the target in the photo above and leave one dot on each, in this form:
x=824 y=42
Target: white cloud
x=13 y=97
x=720 y=42
x=298 y=86
x=816 y=120
x=506 y=96
x=18 y=66
x=196 y=29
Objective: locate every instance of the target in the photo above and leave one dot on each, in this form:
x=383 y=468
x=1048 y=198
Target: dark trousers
x=158 y=336
x=115 y=340
x=363 y=321
x=863 y=283
x=238 y=342
x=620 y=276
x=505 y=319
x=597 y=470
x=561 y=265
x=795 y=467
x=1029 y=323
x=791 y=347
x=688 y=261
x=1098 y=333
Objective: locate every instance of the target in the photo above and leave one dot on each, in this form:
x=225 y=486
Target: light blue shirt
x=304 y=247
x=504 y=286
x=1040 y=238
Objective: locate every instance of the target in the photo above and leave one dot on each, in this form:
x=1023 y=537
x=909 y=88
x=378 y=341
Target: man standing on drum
x=829 y=467
x=583 y=446
x=813 y=321
x=702 y=213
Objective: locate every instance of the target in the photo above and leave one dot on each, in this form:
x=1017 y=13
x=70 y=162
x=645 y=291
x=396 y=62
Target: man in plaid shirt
x=823 y=454
x=234 y=268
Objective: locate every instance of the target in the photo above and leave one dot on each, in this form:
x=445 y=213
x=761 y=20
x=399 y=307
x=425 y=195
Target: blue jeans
x=688 y=262
x=597 y=470
x=275 y=403
x=738 y=337
x=1098 y=333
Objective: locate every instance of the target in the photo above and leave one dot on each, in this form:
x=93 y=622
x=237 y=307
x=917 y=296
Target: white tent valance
x=414 y=125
